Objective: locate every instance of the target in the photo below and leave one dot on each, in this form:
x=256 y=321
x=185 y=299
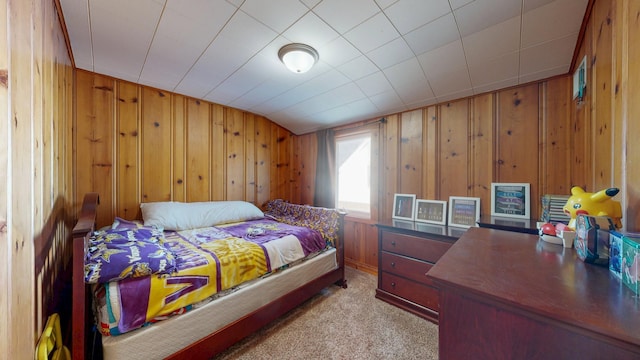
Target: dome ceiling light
x=299 y=58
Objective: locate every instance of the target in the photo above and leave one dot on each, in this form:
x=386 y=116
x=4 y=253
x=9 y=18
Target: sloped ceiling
x=377 y=57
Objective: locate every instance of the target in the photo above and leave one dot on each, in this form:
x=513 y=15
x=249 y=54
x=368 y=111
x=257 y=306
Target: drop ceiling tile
x=182 y=36
x=113 y=21
x=543 y=74
x=276 y=14
x=240 y=82
x=388 y=100
x=338 y=52
x=422 y=103
x=446 y=69
x=391 y=53
x=551 y=21
x=532 y=4
x=551 y=54
x=481 y=14
x=358 y=68
x=374 y=84
x=447 y=58
x=492 y=42
x=311 y=3
x=311 y=30
x=79 y=30
x=219 y=61
x=496 y=70
x=347 y=93
x=323 y=82
x=455 y=95
x=351 y=112
x=313 y=87
x=247 y=32
x=372 y=33
x=407 y=15
x=345 y=15
x=383 y=4
x=505 y=83
x=227 y=53
x=451 y=82
x=408 y=80
x=433 y=35
x=235 y=3
x=455 y=4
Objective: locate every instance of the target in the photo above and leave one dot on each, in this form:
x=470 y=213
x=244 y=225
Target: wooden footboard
x=82 y=320
x=82 y=346
x=53 y=268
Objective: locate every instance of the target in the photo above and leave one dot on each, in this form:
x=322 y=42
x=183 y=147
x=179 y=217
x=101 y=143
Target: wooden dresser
x=507 y=295
x=406 y=252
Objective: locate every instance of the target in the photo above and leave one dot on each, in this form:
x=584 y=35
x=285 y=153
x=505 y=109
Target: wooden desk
x=507 y=295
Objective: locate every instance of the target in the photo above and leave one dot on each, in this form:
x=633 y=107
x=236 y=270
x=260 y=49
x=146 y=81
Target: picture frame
x=431 y=211
x=464 y=211
x=511 y=200
x=404 y=206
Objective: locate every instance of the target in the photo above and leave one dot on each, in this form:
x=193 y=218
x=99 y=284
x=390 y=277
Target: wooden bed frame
x=89 y=345
x=52 y=261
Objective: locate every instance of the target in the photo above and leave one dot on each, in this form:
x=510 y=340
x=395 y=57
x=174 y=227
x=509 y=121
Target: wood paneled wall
x=605 y=124
x=35 y=156
x=138 y=144
x=459 y=148
x=536 y=133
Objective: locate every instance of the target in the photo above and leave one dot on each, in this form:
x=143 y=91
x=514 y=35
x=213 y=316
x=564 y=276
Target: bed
x=287 y=271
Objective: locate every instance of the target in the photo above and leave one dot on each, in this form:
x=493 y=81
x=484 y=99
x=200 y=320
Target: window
x=353 y=161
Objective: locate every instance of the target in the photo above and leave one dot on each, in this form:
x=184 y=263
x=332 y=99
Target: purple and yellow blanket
x=208 y=261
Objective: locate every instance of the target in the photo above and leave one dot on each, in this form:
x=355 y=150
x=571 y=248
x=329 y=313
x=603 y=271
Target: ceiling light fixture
x=298 y=58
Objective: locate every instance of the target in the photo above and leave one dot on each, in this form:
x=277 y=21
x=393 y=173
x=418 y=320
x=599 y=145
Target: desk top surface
x=525 y=272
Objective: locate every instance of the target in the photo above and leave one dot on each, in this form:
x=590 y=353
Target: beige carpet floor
x=342 y=324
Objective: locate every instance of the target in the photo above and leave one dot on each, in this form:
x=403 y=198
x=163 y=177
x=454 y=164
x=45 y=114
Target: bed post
x=81 y=303
x=340 y=249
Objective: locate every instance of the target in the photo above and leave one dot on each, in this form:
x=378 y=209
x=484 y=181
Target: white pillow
x=173 y=215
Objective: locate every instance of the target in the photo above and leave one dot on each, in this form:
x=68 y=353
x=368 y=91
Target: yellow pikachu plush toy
x=595 y=204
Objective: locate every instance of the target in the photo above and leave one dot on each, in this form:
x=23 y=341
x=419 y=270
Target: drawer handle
x=393 y=284
x=393 y=243
x=393 y=264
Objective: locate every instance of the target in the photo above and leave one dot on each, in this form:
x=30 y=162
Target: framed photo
x=464 y=211
x=404 y=206
x=431 y=211
x=510 y=200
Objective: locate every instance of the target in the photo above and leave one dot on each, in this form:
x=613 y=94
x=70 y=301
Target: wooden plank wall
x=460 y=147
x=138 y=144
x=35 y=127
x=535 y=133
x=605 y=125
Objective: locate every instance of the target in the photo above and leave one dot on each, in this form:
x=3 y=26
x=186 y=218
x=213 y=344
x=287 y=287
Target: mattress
x=166 y=337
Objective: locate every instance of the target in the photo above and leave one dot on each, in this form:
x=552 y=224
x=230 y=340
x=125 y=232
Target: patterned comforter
x=208 y=261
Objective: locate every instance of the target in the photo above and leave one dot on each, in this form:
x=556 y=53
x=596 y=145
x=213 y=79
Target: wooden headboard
x=53 y=253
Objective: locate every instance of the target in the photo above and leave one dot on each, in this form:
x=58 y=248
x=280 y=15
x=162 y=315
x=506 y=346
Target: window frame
x=373 y=132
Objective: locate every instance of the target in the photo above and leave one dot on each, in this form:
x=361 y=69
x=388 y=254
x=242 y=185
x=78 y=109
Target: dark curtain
x=325 y=194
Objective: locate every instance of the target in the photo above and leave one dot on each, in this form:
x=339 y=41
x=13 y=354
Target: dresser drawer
x=413 y=246
x=406 y=267
x=420 y=294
